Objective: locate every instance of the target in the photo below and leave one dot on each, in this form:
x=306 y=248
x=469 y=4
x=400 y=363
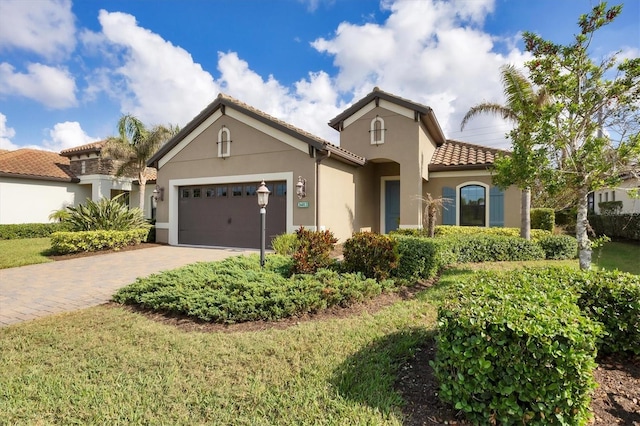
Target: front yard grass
x=22 y=252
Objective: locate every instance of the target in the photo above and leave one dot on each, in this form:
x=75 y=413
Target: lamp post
x=263 y=199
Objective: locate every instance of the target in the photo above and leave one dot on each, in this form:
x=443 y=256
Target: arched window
x=473 y=201
x=224 y=142
x=377 y=131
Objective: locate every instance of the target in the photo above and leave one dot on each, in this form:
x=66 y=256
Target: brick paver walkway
x=35 y=291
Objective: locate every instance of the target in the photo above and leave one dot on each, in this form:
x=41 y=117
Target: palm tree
x=133 y=147
x=522 y=100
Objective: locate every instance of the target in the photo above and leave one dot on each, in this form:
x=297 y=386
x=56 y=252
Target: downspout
x=319 y=159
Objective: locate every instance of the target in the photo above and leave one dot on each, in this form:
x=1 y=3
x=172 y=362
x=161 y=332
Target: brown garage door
x=228 y=215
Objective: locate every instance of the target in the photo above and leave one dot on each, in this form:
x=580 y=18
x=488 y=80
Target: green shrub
x=30 y=230
x=559 y=247
x=514 y=348
x=613 y=299
x=610 y=207
x=237 y=289
x=106 y=214
x=73 y=242
x=493 y=248
x=450 y=230
x=625 y=226
x=314 y=251
x=374 y=255
x=410 y=232
x=285 y=244
x=543 y=219
x=422 y=258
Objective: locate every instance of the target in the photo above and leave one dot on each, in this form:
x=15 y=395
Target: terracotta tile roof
x=461 y=155
x=84 y=149
x=36 y=164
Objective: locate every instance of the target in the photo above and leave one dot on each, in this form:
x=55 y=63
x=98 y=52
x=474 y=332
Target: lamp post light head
x=158 y=193
x=263 y=195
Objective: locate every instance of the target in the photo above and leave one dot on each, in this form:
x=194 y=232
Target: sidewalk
x=34 y=291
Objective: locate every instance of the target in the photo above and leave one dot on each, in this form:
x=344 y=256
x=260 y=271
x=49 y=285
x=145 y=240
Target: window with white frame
x=224 y=142
x=377 y=131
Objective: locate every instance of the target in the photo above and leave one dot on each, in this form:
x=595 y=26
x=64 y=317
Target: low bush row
x=519 y=346
x=625 y=226
x=30 y=230
x=73 y=242
x=414 y=258
x=446 y=230
x=237 y=289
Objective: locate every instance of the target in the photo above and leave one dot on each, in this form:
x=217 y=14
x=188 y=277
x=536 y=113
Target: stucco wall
x=32 y=201
x=629 y=204
x=337 y=198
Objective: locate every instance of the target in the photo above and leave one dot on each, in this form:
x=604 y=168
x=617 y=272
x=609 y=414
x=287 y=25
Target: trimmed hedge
x=542 y=218
x=559 y=247
x=422 y=258
x=237 y=289
x=374 y=255
x=30 y=230
x=515 y=348
x=493 y=248
x=613 y=299
x=625 y=226
x=285 y=244
x=448 y=230
x=73 y=242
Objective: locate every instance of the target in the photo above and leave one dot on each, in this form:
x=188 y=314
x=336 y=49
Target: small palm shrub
x=314 y=251
x=374 y=255
x=104 y=215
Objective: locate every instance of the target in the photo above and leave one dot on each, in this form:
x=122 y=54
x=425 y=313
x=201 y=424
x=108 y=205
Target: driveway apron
x=34 y=291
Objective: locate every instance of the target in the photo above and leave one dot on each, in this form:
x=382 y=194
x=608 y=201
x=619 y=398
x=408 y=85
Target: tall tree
x=519 y=168
x=134 y=146
x=589 y=131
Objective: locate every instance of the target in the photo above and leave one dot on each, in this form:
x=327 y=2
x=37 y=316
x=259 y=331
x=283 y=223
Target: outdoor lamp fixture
x=301 y=187
x=158 y=193
x=263 y=199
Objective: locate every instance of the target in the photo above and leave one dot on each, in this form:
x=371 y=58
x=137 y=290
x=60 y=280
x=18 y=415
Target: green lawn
x=23 y=252
x=617 y=255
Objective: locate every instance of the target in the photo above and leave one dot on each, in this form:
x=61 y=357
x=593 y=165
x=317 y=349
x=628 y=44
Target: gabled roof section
x=84 y=149
x=36 y=164
x=422 y=112
x=457 y=155
x=225 y=101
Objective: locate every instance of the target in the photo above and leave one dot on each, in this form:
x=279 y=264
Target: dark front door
x=391 y=205
x=228 y=215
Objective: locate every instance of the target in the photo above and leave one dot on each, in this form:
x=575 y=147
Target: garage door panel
x=218 y=218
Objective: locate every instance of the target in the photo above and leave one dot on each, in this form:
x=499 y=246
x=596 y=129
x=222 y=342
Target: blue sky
x=68 y=70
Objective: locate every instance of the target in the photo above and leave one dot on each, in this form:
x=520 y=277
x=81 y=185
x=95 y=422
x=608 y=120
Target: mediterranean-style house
x=392 y=152
x=622 y=193
x=35 y=183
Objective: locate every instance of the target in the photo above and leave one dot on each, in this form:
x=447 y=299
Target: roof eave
x=38 y=177
x=457 y=167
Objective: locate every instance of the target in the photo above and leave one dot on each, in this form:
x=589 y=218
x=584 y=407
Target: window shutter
x=496 y=207
x=449 y=207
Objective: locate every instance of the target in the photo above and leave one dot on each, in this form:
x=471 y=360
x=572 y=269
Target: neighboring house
x=392 y=152
x=35 y=183
x=630 y=204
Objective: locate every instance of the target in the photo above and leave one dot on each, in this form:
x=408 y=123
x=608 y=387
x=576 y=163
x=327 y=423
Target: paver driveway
x=35 y=291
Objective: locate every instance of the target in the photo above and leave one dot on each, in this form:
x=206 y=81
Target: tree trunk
x=143 y=182
x=525 y=214
x=582 y=225
x=432 y=220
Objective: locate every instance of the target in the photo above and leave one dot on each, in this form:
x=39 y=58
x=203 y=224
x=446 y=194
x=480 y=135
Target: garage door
x=228 y=215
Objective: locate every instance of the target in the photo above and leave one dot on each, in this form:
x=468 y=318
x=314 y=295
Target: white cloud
x=53 y=87
x=156 y=81
x=431 y=52
x=66 y=135
x=44 y=27
x=6 y=133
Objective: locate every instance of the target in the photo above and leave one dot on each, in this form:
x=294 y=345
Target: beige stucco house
x=392 y=152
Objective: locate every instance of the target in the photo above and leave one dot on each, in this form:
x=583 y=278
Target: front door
x=391 y=205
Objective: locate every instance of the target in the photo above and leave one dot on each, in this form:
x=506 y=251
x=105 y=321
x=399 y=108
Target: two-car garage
x=228 y=215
